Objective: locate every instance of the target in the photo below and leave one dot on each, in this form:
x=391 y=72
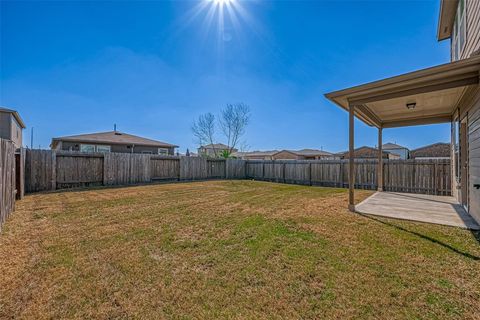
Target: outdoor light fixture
x=411 y=105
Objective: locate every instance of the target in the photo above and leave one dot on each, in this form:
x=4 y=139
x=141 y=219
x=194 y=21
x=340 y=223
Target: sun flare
x=222 y=2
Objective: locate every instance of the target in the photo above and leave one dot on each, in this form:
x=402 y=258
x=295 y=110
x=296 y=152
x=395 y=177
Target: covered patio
x=427 y=96
x=418 y=207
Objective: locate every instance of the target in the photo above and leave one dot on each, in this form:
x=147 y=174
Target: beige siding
x=10 y=129
x=16 y=132
x=474 y=157
x=473 y=28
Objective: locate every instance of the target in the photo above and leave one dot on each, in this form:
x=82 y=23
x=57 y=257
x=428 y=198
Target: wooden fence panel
x=328 y=173
x=139 y=168
x=216 y=169
x=126 y=168
x=236 y=169
x=116 y=169
x=254 y=170
x=365 y=174
x=78 y=170
x=418 y=176
x=193 y=168
x=39 y=170
x=165 y=168
x=7 y=179
x=297 y=172
x=20 y=174
x=274 y=171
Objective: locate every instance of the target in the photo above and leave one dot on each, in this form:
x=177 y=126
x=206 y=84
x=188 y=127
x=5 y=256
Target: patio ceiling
x=436 y=92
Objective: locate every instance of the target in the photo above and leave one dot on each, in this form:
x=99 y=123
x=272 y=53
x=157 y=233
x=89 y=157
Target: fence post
x=310 y=173
x=54 y=170
x=342 y=175
x=225 y=169
x=263 y=170
x=105 y=177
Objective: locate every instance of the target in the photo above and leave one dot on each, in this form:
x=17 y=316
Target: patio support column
x=380 y=161
x=351 y=157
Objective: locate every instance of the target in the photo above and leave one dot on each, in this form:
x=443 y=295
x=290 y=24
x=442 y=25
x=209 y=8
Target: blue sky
x=153 y=67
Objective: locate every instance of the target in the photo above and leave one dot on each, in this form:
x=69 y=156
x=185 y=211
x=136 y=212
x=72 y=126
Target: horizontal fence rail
x=49 y=170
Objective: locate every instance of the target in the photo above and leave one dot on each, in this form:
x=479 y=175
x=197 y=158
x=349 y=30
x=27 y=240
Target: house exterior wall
x=469 y=111
x=402 y=152
x=472 y=42
x=368 y=153
x=473 y=169
x=5 y=121
x=10 y=129
x=209 y=152
x=120 y=148
x=16 y=132
x=257 y=157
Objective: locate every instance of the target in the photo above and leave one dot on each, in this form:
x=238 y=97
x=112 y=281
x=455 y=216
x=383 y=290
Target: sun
x=223 y=2
x=228 y=19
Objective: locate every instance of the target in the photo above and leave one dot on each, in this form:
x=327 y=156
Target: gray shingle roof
x=390 y=145
x=311 y=152
x=114 y=137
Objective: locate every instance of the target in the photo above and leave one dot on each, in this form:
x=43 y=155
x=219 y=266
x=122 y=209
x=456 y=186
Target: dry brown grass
x=229 y=249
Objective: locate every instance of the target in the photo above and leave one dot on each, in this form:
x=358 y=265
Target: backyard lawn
x=229 y=249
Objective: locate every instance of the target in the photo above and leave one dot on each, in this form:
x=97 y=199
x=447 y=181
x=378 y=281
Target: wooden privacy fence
x=50 y=170
x=7 y=179
x=415 y=176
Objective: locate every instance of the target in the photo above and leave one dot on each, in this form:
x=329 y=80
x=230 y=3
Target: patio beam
x=370 y=115
x=417 y=121
x=380 y=160
x=351 y=156
x=471 y=79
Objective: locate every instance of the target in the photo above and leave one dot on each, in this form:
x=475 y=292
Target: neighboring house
x=210 y=150
x=255 y=155
x=446 y=93
x=396 y=149
x=112 y=141
x=313 y=154
x=11 y=126
x=368 y=153
x=303 y=154
x=439 y=150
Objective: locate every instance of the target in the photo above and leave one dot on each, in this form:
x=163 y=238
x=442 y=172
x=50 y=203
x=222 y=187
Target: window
x=87 y=148
x=102 y=148
x=163 y=151
x=459 y=31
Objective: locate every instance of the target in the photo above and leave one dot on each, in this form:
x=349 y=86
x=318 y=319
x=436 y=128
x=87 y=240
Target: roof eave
x=446 y=19
x=459 y=73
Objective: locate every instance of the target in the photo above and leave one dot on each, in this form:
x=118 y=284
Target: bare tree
x=233 y=122
x=204 y=130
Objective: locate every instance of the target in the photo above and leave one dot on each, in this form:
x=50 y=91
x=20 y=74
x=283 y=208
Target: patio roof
x=435 y=91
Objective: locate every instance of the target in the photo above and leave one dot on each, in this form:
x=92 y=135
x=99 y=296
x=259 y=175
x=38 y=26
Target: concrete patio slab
x=418 y=207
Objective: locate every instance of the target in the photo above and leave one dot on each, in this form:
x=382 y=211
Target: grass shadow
x=476 y=234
